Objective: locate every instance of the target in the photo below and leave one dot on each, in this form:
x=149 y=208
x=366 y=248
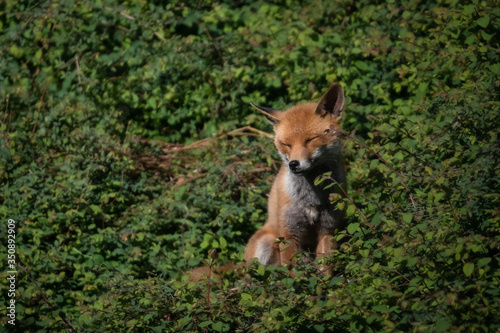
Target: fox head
x=306 y=135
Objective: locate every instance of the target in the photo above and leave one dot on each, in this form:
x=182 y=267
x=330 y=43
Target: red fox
x=300 y=213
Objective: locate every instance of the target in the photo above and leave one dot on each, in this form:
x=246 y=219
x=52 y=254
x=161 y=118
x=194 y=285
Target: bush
x=129 y=152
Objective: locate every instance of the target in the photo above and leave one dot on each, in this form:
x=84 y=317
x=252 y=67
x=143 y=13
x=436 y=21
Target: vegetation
x=128 y=153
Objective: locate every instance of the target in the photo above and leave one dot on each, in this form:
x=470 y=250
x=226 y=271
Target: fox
x=300 y=214
x=301 y=217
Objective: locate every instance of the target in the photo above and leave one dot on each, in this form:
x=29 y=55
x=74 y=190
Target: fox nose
x=294 y=165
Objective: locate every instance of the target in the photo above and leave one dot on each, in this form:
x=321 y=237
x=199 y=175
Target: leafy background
x=129 y=152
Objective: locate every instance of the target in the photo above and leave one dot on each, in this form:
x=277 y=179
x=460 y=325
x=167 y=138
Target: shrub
x=129 y=153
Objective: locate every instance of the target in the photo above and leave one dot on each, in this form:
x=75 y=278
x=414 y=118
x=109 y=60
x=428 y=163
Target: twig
x=212 y=257
x=159 y=36
x=59 y=312
x=404 y=277
x=78 y=72
x=182 y=236
x=122 y=13
x=243 y=131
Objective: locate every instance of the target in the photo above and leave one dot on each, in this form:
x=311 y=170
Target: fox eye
x=285 y=144
x=309 y=140
x=326 y=131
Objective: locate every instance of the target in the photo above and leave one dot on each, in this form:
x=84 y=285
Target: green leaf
x=399 y=252
x=152 y=102
x=319 y=328
x=407 y=217
x=468 y=268
x=483 y=262
x=96 y=209
x=98 y=259
x=443 y=324
x=495 y=68
x=379 y=308
x=222 y=242
x=336 y=280
x=469 y=9
x=438 y=196
x=486 y=36
x=288 y=282
x=352 y=228
x=219 y=326
x=320 y=179
x=483 y=21
x=261 y=270
x=204 y=324
x=350 y=210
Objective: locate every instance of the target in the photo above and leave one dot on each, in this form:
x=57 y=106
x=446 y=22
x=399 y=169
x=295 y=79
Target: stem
x=209 y=282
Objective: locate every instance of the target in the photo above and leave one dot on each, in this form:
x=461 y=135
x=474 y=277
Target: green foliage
x=116 y=164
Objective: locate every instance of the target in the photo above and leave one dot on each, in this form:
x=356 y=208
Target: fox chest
x=308 y=210
x=306 y=215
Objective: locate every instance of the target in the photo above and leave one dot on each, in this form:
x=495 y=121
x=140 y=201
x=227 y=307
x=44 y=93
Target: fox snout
x=298 y=167
x=299 y=164
x=294 y=165
x=299 y=160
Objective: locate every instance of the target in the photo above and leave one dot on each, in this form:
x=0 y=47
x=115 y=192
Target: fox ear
x=332 y=101
x=271 y=114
